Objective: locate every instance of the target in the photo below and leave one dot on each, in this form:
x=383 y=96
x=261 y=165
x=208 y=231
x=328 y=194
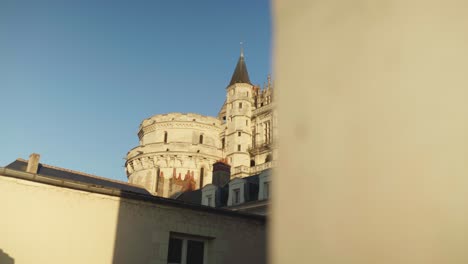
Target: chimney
x=221 y=173
x=33 y=163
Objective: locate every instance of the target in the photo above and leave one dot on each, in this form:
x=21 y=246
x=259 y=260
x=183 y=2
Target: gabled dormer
x=214 y=196
x=242 y=190
x=264 y=191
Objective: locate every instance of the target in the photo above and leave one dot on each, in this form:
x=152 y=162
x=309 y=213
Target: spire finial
x=241 y=49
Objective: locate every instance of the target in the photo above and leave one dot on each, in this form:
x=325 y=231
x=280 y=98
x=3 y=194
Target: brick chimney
x=33 y=163
x=221 y=173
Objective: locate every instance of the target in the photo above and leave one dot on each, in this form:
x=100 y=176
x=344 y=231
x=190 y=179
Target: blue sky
x=77 y=77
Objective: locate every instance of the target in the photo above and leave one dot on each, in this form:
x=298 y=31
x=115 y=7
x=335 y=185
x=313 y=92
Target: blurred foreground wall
x=374 y=132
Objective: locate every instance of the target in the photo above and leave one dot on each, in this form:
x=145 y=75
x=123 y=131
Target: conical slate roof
x=240 y=74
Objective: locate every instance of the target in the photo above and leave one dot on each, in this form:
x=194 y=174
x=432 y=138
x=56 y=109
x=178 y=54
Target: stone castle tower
x=177 y=150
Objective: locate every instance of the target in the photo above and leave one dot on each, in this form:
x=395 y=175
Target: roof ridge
x=83 y=173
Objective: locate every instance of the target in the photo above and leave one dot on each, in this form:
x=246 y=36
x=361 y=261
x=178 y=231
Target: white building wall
x=43 y=223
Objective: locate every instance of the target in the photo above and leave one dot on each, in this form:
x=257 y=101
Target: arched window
x=202 y=174
x=165 y=137
x=158 y=172
x=201 y=139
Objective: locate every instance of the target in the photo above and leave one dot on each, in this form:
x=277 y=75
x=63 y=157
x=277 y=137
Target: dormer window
x=237 y=192
x=236 y=196
x=265 y=185
x=209 y=200
x=209 y=195
x=266 y=190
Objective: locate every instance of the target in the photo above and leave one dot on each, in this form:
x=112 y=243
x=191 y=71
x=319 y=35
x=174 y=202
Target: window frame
x=236 y=193
x=184 y=250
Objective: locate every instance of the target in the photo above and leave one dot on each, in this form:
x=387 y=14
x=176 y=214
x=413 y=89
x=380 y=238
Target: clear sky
x=78 y=76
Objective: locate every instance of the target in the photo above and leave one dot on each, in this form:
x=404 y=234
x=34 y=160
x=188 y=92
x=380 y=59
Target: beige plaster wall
x=41 y=223
x=374 y=132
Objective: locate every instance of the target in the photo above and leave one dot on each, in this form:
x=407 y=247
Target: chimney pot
x=33 y=163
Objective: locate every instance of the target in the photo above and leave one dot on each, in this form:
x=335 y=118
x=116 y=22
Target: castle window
x=240 y=105
x=238 y=147
x=158 y=172
x=201 y=139
x=252 y=163
x=202 y=174
x=239 y=134
x=165 y=137
x=223 y=142
x=224 y=118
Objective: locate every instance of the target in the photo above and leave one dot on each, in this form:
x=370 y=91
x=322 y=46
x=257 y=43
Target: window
x=202 y=174
x=209 y=200
x=223 y=143
x=238 y=147
x=185 y=250
x=267 y=132
x=165 y=137
x=238 y=134
x=246 y=122
x=240 y=105
x=236 y=196
x=266 y=190
x=201 y=139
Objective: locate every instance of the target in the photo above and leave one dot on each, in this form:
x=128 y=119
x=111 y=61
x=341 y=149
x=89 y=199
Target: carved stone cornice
x=176 y=124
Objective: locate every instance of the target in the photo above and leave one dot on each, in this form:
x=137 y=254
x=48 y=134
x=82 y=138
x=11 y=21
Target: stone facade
x=177 y=150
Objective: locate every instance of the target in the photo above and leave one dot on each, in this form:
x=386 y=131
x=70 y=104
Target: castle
x=176 y=151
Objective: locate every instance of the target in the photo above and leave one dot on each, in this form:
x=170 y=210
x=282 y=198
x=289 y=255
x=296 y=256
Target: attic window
x=236 y=196
x=209 y=200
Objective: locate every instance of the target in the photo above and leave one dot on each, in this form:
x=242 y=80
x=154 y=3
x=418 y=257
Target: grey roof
x=72 y=184
x=56 y=172
x=240 y=74
x=193 y=197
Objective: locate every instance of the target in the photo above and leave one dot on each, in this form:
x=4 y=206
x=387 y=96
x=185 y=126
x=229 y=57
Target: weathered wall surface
x=41 y=223
x=374 y=132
